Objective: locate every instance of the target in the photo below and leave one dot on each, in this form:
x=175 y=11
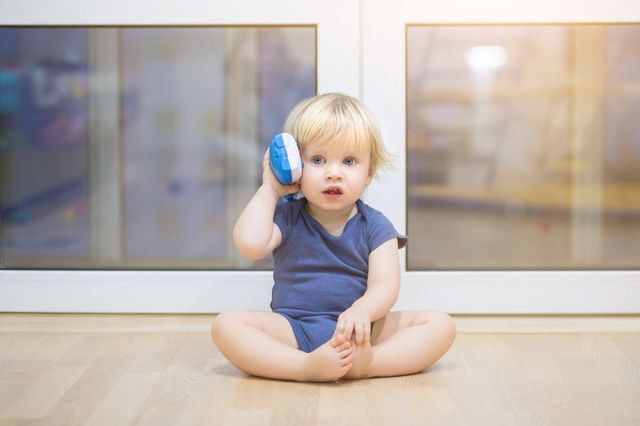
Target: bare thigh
x=273 y=324
x=386 y=327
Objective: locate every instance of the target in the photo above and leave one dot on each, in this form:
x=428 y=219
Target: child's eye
x=317 y=159
x=349 y=161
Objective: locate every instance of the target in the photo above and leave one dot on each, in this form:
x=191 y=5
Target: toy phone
x=284 y=156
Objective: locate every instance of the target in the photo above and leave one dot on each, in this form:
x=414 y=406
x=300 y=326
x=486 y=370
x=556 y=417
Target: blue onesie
x=317 y=276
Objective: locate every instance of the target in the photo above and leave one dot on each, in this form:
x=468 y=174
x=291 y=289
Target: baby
x=336 y=264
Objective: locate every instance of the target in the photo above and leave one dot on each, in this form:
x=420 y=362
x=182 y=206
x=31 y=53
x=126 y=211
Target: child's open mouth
x=332 y=192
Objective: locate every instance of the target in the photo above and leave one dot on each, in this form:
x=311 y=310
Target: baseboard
x=201 y=323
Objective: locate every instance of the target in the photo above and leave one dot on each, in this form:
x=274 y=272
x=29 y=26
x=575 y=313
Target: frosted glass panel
x=523 y=146
x=138 y=147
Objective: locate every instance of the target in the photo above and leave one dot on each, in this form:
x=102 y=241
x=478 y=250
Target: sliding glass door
x=130 y=142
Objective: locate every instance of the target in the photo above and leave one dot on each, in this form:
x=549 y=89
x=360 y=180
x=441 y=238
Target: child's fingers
x=367 y=333
x=340 y=327
x=359 y=329
x=348 y=329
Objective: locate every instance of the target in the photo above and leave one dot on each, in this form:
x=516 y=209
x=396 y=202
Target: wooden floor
x=157 y=370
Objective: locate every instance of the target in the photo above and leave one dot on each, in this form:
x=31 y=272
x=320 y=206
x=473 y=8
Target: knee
x=216 y=326
x=223 y=324
x=448 y=327
x=444 y=323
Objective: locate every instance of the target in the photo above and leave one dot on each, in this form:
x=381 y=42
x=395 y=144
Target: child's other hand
x=270 y=180
x=355 y=322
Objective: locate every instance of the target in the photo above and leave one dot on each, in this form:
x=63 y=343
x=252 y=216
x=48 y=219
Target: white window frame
x=338 y=64
x=361 y=52
x=384 y=88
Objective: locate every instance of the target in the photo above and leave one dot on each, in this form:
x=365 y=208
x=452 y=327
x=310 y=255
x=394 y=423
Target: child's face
x=334 y=175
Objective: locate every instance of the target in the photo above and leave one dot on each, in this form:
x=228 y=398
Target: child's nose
x=334 y=170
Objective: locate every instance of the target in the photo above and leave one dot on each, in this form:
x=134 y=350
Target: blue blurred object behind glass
x=193 y=113
x=43 y=143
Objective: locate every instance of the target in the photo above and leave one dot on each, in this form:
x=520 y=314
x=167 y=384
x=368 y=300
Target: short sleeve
x=285 y=214
x=380 y=230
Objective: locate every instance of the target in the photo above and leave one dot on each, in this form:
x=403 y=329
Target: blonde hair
x=334 y=117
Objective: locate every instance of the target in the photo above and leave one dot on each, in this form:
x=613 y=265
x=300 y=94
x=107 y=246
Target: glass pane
x=44 y=173
x=169 y=126
x=523 y=147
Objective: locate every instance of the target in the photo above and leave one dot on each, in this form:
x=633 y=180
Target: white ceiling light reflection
x=483 y=57
x=484 y=62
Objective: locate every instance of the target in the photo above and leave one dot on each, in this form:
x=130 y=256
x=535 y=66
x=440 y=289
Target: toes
x=344 y=346
x=338 y=340
x=345 y=353
x=347 y=361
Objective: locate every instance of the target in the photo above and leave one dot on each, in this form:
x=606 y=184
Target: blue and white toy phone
x=284 y=156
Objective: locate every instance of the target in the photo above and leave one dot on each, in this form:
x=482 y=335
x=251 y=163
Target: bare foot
x=330 y=361
x=363 y=358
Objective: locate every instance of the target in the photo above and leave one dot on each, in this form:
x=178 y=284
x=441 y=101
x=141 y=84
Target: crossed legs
x=263 y=344
x=403 y=343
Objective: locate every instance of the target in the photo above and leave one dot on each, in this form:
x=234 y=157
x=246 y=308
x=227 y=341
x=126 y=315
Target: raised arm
x=254 y=234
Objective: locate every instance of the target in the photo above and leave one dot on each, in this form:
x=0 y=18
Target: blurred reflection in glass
x=523 y=147
x=169 y=125
x=44 y=173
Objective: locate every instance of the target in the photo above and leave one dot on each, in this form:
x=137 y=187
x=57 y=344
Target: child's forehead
x=340 y=145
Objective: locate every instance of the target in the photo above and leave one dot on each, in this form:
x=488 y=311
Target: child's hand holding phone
x=285 y=162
